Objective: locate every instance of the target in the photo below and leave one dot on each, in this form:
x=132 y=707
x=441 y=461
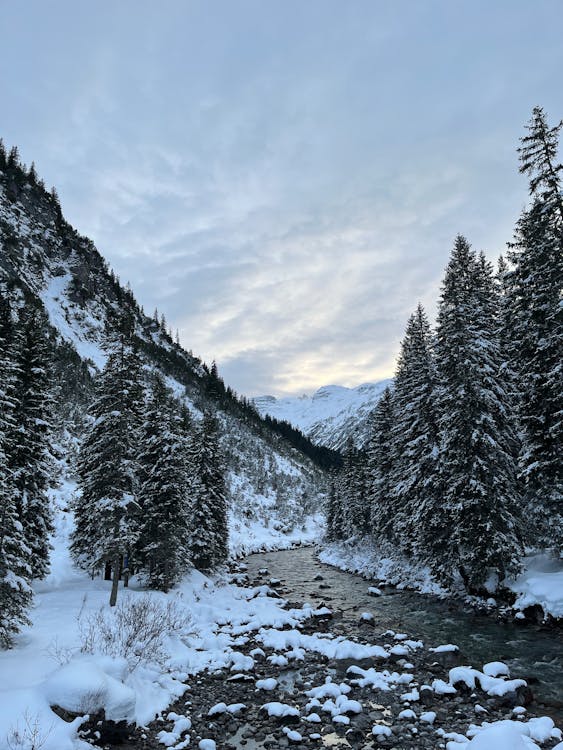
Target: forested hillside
x=169 y=461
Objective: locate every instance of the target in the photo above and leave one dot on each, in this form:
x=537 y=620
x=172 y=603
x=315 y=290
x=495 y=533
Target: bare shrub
x=28 y=734
x=135 y=629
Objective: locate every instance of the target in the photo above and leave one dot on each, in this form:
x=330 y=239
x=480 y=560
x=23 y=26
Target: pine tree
x=536 y=328
x=414 y=433
x=380 y=459
x=209 y=542
x=15 y=571
x=107 y=516
x=335 y=526
x=473 y=532
x=162 y=546
x=30 y=460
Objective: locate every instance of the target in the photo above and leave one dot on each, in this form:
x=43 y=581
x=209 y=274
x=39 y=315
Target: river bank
x=340 y=676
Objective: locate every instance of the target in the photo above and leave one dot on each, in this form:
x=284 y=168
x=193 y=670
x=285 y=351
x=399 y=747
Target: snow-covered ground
x=540 y=583
x=330 y=415
x=47 y=666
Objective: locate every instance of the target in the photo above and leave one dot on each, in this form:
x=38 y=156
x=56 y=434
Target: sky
x=283 y=179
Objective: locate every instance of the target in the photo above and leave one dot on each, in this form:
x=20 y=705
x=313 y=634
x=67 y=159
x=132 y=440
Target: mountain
x=46 y=264
x=330 y=415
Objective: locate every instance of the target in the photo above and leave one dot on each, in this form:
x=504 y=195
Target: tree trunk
x=126 y=571
x=116 y=571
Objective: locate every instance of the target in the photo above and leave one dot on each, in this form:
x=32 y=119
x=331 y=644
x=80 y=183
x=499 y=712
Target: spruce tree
x=15 y=570
x=209 y=538
x=107 y=511
x=335 y=527
x=414 y=433
x=473 y=532
x=536 y=327
x=30 y=460
x=380 y=460
x=163 y=549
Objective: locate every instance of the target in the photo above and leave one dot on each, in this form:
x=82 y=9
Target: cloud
x=284 y=181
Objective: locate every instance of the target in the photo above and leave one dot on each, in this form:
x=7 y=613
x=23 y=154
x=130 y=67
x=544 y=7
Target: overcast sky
x=283 y=179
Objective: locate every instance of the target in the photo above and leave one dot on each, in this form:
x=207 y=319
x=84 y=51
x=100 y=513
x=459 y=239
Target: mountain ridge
x=330 y=415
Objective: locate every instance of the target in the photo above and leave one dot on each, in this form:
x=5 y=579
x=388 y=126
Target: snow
x=506 y=735
x=280 y=710
x=381 y=563
x=496 y=669
x=429 y=717
x=541 y=584
x=46 y=666
x=270 y=683
x=207 y=745
x=380 y=730
x=330 y=414
x=445 y=648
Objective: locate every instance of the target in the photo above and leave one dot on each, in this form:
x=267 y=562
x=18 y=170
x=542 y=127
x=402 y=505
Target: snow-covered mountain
x=46 y=264
x=330 y=415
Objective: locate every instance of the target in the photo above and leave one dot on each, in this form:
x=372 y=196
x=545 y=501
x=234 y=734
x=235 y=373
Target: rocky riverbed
x=334 y=678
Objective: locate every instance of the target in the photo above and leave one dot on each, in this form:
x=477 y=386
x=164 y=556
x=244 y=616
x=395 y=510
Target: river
x=532 y=652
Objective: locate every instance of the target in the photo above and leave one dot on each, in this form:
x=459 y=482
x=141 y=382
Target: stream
x=532 y=652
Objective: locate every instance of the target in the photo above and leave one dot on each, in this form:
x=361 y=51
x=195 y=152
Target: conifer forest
x=183 y=565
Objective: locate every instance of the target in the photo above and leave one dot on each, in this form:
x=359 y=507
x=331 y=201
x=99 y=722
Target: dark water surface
x=532 y=652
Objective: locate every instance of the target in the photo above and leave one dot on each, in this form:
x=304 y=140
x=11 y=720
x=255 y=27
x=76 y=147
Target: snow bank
x=386 y=565
x=541 y=584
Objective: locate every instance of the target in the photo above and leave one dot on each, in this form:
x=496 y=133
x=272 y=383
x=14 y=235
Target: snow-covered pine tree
x=30 y=458
x=210 y=535
x=15 y=571
x=335 y=528
x=352 y=492
x=414 y=433
x=380 y=471
x=536 y=327
x=473 y=531
x=107 y=512
x=162 y=546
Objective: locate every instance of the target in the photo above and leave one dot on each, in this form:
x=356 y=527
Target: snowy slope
x=330 y=415
x=45 y=261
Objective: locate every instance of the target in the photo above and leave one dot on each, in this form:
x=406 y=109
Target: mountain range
x=331 y=415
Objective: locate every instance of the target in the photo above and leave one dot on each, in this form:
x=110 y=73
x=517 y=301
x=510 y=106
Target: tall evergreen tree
x=107 y=516
x=414 y=433
x=473 y=531
x=335 y=527
x=163 y=548
x=210 y=535
x=380 y=458
x=536 y=327
x=15 y=570
x=31 y=463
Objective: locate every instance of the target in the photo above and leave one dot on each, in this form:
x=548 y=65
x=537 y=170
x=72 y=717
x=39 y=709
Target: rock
x=426 y=696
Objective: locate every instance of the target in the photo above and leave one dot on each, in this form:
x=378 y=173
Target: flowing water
x=532 y=652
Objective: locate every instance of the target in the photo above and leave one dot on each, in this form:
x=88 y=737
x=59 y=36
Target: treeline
x=463 y=470
x=26 y=464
